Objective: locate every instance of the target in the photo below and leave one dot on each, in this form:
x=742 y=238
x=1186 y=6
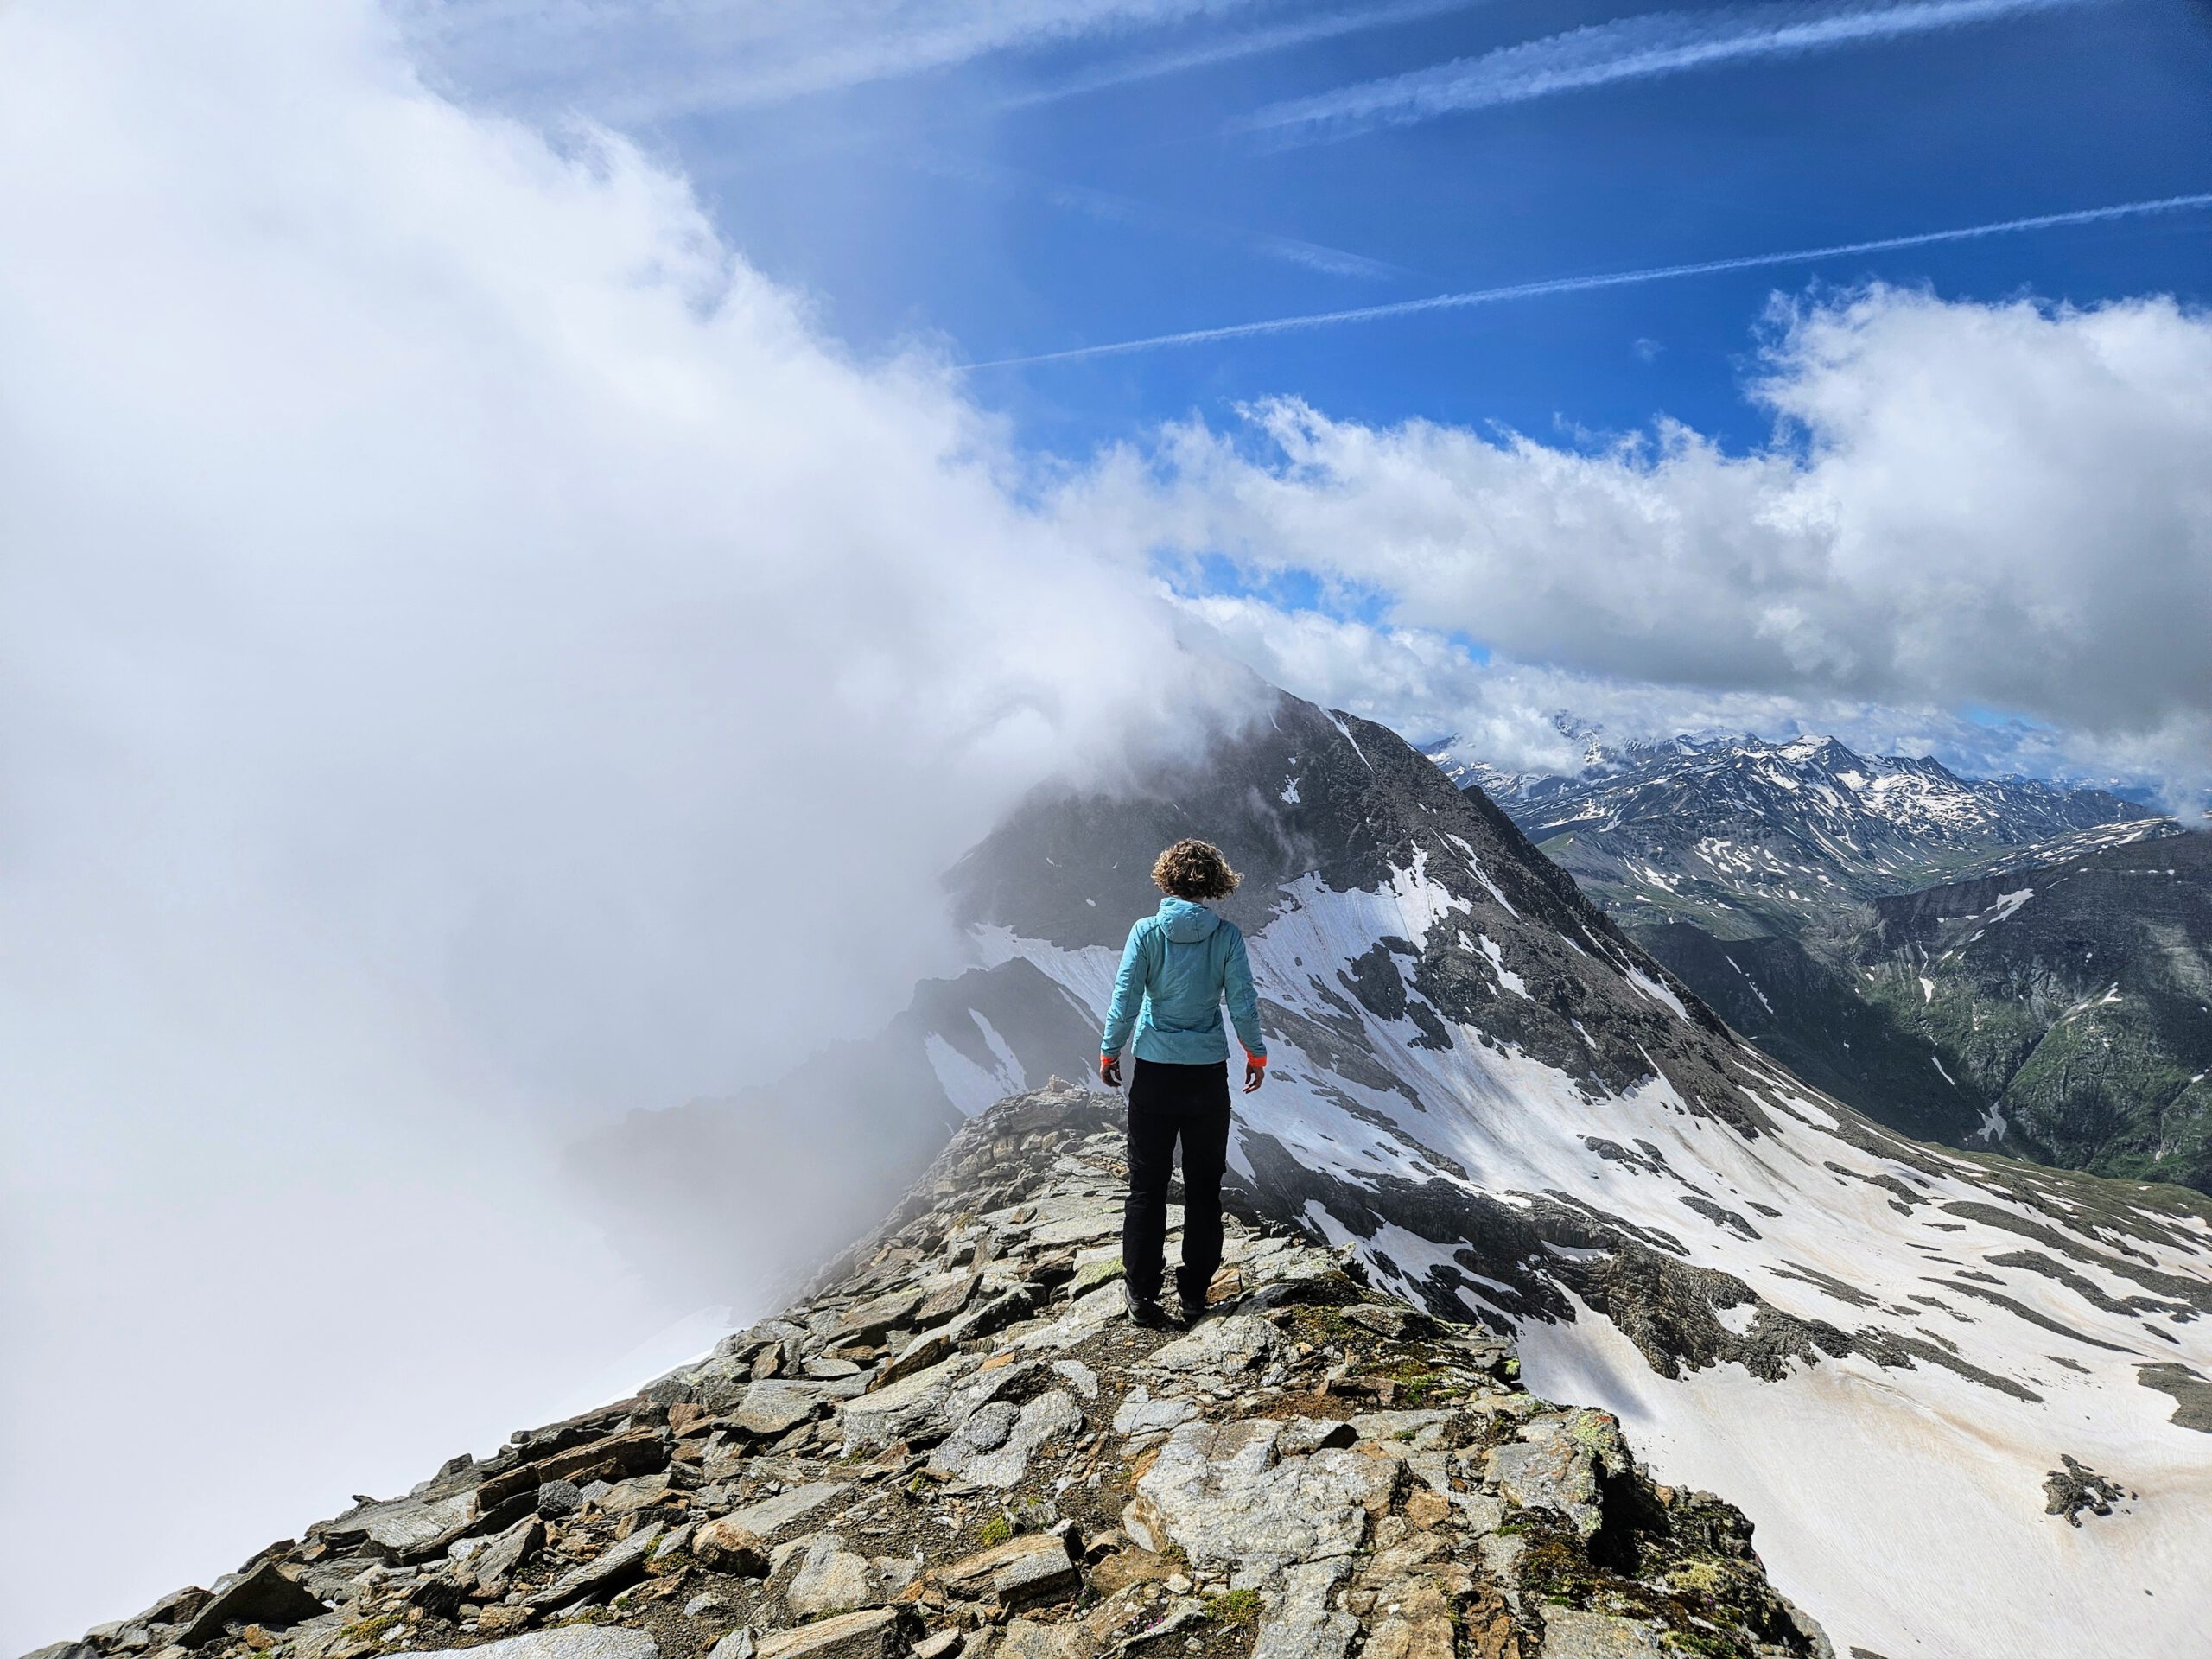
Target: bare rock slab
x=1299 y=1623
x=568 y=1642
x=1234 y=1343
x=1569 y=1634
x=770 y=1515
x=1220 y=1491
x=874 y=1633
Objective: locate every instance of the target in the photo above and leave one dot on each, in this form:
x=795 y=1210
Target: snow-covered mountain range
x=1746 y=837
x=1881 y=1350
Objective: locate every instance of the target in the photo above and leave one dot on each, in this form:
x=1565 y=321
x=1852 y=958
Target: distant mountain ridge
x=2062 y=1013
x=1744 y=837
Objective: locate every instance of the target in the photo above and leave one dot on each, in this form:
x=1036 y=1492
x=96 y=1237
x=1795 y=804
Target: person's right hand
x=1253 y=1076
x=1109 y=1071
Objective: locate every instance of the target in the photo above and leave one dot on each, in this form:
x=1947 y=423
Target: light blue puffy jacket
x=1178 y=964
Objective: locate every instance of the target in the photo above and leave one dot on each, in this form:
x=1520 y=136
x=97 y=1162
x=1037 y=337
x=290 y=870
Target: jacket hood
x=1184 y=923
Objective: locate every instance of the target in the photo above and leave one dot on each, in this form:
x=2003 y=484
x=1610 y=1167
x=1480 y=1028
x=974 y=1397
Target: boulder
x=772 y=1408
x=825 y=1576
x=945 y=1295
x=1033 y=1567
x=403 y=1525
x=495 y=1563
x=726 y=1547
x=993 y=1447
x=869 y=1321
x=1078 y=1375
x=1414 y=1622
x=1092 y=1313
x=556 y=1498
x=905 y=1409
x=1421 y=1430
x=265 y=1596
x=927 y=1349
x=1024 y=1638
x=604 y=1574
x=1302 y=1435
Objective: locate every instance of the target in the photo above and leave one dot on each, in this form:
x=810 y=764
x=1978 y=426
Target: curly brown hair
x=1194 y=870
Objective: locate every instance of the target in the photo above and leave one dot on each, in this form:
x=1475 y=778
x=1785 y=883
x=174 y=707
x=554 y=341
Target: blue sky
x=989 y=201
x=1038 y=179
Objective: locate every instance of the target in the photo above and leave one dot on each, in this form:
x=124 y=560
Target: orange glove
x=1109 y=1071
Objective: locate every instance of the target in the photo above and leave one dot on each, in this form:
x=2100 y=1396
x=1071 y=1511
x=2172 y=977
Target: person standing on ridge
x=1176 y=969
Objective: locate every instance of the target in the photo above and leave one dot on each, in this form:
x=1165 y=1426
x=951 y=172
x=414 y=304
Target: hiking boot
x=1187 y=1310
x=1144 y=1310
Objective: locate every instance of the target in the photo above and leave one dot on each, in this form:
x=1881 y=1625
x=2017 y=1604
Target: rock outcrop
x=955 y=1445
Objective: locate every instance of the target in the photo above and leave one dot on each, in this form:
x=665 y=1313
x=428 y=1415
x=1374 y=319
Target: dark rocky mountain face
x=2064 y=1013
x=1744 y=838
x=954 y=1444
x=1507 y=1112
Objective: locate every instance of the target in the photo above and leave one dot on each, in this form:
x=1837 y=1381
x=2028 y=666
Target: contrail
x=1610 y=279
x=1123 y=210
x=1633 y=48
x=1305 y=31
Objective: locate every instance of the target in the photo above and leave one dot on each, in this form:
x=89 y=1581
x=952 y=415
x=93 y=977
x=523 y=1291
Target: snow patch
x=1506 y=977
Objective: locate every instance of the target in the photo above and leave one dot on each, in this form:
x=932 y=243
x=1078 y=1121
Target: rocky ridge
x=953 y=1443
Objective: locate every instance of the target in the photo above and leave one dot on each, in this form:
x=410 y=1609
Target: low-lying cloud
x=475 y=659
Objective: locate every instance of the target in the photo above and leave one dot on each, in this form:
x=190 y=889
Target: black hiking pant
x=1168 y=1104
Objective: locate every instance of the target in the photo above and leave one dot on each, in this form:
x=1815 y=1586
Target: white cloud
x=1994 y=505
x=690 y=55
x=1510 y=713
x=471 y=658
x=1643 y=47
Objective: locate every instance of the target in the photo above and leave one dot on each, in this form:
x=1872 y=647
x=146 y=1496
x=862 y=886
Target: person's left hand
x=1253 y=1076
x=1109 y=1071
